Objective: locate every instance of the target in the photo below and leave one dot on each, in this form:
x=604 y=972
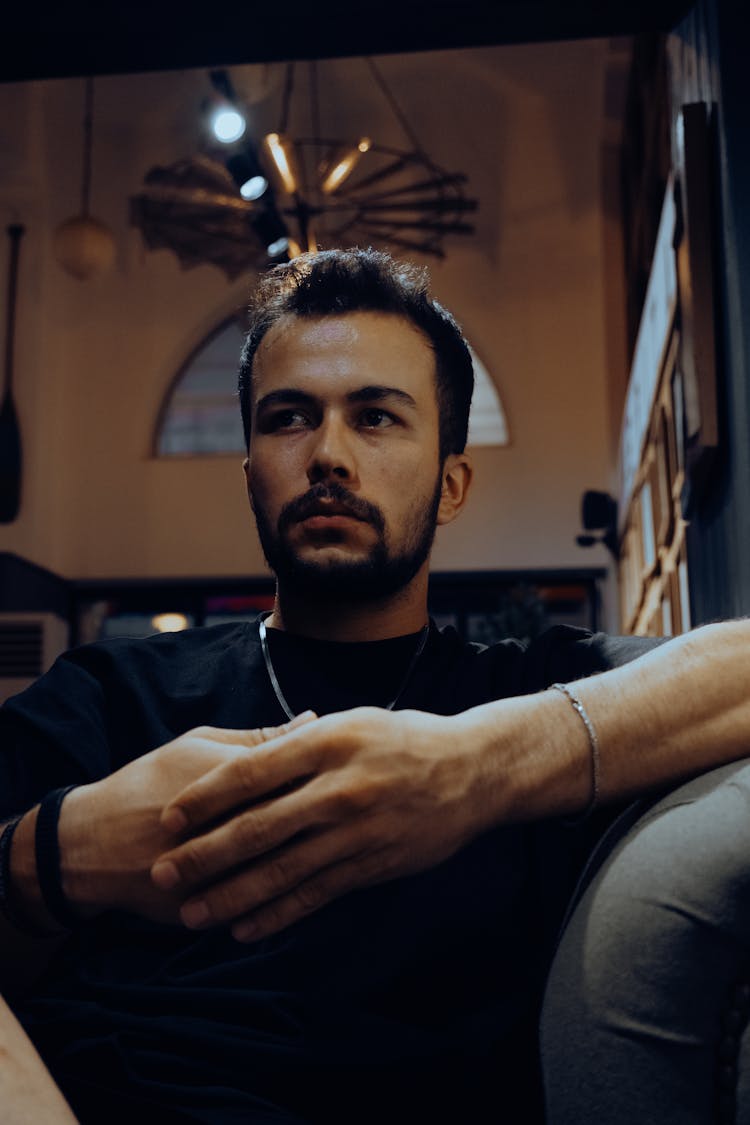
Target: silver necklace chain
x=277 y=686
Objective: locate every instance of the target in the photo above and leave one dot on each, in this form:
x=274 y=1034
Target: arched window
x=200 y=415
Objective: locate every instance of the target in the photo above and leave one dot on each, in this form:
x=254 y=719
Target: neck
x=338 y=620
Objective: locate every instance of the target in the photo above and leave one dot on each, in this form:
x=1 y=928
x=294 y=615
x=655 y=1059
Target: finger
x=276 y=875
x=246 y=777
x=314 y=893
x=245 y=836
x=254 y=736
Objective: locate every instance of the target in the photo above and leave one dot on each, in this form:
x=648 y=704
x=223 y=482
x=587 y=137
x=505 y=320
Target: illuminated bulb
x=280 y=151
x=228 y=125
x=254 y=187
x=278 y=246
x=344 y=166
x=169 y=622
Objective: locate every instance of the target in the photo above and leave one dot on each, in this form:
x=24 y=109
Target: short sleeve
x=52 y=734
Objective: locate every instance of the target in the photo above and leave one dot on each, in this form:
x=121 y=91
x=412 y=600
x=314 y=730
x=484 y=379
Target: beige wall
x=94 y=359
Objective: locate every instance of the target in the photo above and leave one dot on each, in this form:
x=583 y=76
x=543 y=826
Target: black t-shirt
x=416 y=999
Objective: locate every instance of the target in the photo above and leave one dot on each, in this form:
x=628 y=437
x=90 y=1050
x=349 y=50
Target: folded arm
x=109 y=833
x=367 y=795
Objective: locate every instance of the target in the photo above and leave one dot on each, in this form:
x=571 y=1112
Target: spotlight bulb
x=228 y=125
x=278 y=246
x=342 y=168
x=254 y=187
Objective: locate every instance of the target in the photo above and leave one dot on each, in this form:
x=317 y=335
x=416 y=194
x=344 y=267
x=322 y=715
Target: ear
x=457 y=476
x=246 y=471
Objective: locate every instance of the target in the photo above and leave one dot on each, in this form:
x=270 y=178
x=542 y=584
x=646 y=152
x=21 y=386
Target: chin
x=329 y=557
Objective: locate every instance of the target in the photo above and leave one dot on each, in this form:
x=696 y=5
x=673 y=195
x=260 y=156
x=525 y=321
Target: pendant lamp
x=84 y=246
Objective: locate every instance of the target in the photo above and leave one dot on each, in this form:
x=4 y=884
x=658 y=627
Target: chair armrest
x=647 y=998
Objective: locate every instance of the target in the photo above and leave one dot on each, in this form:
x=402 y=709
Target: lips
x=332 y=509
x=330 y=501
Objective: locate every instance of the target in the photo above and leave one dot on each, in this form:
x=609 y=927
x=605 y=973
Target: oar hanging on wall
x=10 y=434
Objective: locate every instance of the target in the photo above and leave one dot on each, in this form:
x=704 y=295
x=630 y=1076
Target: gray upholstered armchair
x=647 y=1003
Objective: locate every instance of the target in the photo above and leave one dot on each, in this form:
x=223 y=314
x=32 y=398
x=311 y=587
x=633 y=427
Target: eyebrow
x=377 y=393
x=290 y=396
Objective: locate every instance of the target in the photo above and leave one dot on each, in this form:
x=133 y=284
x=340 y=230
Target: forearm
x=27 y=1092
x=679 y=710
x=109 y=831
x=28 y=936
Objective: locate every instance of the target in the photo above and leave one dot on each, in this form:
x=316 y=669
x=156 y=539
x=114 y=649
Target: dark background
x=68 y=40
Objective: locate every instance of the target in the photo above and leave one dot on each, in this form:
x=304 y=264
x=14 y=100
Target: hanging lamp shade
x=84 y=247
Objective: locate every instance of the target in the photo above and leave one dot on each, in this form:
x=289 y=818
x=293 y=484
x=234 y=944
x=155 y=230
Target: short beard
x=373 y=578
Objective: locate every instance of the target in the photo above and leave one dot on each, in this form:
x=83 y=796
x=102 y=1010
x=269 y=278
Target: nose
x=332 y=455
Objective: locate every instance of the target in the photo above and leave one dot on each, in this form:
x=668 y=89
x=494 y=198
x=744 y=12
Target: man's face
x=343 y=470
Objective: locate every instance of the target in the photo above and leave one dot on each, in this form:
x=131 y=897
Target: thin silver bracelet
x=593 y=743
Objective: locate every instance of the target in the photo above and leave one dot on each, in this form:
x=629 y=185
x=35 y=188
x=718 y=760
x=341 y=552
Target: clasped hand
x=317 y=809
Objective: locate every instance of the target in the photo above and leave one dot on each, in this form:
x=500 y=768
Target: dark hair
x=332 y=282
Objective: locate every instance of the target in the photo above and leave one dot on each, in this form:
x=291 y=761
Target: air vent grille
x=21 y=649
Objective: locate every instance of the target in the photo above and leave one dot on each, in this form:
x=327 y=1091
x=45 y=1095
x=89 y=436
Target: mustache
x=309 y=504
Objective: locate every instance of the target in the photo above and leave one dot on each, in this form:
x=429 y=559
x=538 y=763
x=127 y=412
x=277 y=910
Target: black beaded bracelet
x=8 y=909
x=48 y=871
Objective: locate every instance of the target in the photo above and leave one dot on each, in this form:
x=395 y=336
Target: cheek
x=274 y=478
x=408 y=492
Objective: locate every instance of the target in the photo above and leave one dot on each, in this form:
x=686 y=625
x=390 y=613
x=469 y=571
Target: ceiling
x=44 y=41
x=525 y=123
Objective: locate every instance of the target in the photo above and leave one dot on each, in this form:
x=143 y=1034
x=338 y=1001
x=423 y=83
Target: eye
x=289 y=419
x=373 y=418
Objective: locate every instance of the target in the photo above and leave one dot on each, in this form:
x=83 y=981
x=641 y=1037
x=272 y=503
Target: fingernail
x=174 y=820
x=195 y=914
x=165 y=875
x=304 y=717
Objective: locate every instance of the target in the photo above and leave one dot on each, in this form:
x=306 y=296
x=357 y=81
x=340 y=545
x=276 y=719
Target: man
x=312 y=867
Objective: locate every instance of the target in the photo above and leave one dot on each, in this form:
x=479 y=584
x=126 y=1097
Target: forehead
x=325 y=354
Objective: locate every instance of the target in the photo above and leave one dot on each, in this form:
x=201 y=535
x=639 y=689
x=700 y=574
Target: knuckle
x=223 y=902
x=354 y=800
x=282 y=871
x=250 y=834
x=310 y=896
x=247 y=773
x=192 y=861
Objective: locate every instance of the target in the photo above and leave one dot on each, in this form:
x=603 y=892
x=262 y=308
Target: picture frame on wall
x=697 y=298
x=677 y=429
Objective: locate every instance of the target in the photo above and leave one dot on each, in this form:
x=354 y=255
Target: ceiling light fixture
x=297 y=193
x=227 y=125
x=169 y=622
x=247 y=174
x=361 y=191
x=226 y=121
x=84 y=246
x=341 y=168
